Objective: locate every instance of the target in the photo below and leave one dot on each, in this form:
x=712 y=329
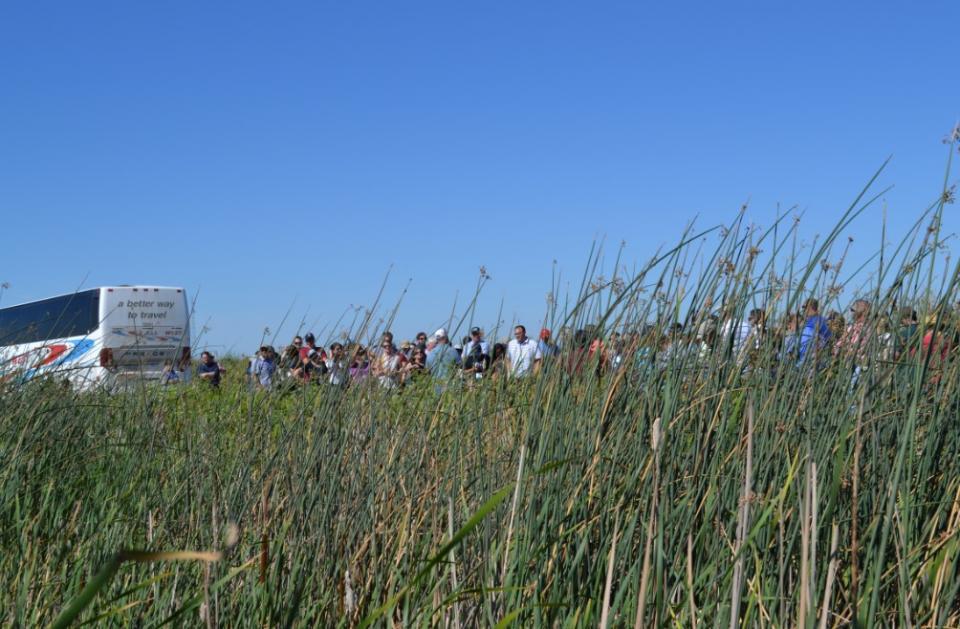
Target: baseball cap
x=474 y=330
x=441 y=333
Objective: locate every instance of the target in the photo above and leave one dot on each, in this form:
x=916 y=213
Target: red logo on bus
x=39 y=356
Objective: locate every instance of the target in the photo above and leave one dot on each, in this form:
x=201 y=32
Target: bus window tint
x=55 y=318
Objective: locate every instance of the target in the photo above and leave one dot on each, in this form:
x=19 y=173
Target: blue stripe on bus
x=81 y=348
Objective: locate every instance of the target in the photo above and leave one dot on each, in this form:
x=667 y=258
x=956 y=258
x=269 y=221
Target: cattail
x=656 y=435
x=349 y=598
x=232 y=534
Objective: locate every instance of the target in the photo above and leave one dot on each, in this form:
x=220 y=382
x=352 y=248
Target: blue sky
x=269 y=156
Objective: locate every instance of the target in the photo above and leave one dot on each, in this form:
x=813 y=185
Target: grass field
x=694 y=493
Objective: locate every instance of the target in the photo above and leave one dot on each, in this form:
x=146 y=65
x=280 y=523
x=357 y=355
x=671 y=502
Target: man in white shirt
x=523 y=354
x=745 y=335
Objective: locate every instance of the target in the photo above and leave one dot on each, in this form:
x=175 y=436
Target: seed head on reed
x=656 y=435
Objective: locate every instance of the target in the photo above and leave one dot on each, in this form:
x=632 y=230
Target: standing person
x=338 y=371
x=264 y=366
x=442 y=359
x=906 y=334
x=856 y=334
x=790 y=348
x=291 y=355
x=644 y=347
x=476 y=353
x=476 y=363
x=523 y=354
x=169 y=375
x=359 y=366
x=617 y=348
x=386 y=337
x=432 y=342
x=597 y=354
x=415 y=366
x=744 y=336
x=668 y=349
x=208 y=370
x=580 y=358
x=734 y=335
x=311 y=348
x=706 y=338
x=936 y=345
x=248 y=376
x=498 y=361
x=885 y=341
x=386 y=365
x=856 y=338
x=546 y=346
x=815 y=335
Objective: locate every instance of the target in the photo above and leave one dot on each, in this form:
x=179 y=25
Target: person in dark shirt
x=906 y=336
x=475 y=360
x=208 y=369
x=310 y=348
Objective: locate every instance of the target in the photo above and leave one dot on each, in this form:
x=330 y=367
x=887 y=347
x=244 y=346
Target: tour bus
x=109 y=336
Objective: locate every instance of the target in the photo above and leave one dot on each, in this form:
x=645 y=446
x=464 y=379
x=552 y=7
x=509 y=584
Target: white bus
x=103 y=336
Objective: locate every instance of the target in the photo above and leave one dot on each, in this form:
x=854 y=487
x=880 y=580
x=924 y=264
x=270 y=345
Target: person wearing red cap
x=547 y=347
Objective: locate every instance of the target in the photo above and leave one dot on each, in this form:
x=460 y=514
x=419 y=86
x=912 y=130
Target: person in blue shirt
x=170 y=375
x=815 y=335
x=443 y=359
x=264 y=367
x=476 y=341
x=208 y=369
x=791 y=339
x=547 y=347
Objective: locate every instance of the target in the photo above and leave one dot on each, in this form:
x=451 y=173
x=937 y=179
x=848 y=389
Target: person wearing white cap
x=442 y=358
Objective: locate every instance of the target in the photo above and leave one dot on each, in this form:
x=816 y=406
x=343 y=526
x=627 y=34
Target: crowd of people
x=392 y=365
x=805 y=338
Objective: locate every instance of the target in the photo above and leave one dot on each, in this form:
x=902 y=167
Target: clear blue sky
x=269 y=154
